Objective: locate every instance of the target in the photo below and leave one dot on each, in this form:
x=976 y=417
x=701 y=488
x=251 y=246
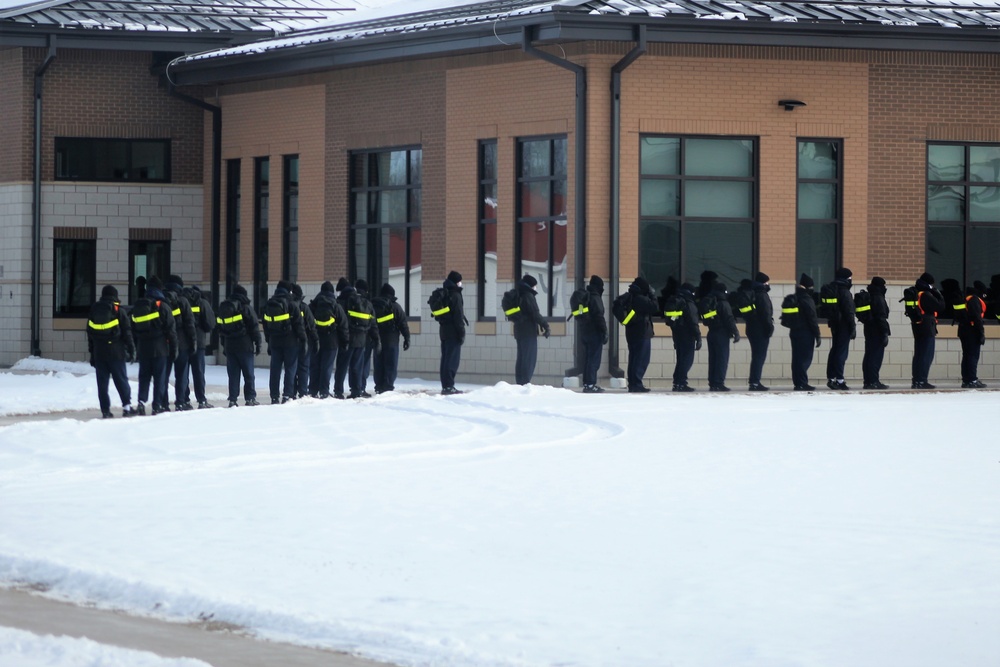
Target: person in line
x=180 y=307
x=332 y=333
x=361 y=329
x=307 y=349
x=923 y=322
x=721 y=328
x=373 y=345
x=452 y=333
x=527 y=325
x=109 y=339
x=391 y=320
x=686 y=333
x=972 y=334
x=843 y=330
x=204 y=322
x=285 y=334
x=639 y=334
x=156 y=345
x=594 y=334
x=239 y=333
x=343 y=364
x=877 y=331
x=759 y=329
x=803 y=333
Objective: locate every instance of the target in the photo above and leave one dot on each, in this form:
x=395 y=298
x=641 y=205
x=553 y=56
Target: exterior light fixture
x=791 y=104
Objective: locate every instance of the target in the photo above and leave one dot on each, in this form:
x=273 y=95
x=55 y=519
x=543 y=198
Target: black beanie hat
x=327 y=286
x=172 y=278
x=455 y=277
x=529 y=280
x=154 y=283
x=110 y=290
x=641 y=283
x=878 y=281
x=687 y=287
x=285 y=285
x=843 y=273
x=746 y=283
x=762 y=278
x=980 y=287
x=361 y=285
x=387 y=291
x=240 y=289
x=597 y=283
x=342 y=284
x=297 y=291
x=927 y=278
x=806 y=281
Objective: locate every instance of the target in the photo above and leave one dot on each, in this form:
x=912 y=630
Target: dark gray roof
x=943 y=25
x=225 y=21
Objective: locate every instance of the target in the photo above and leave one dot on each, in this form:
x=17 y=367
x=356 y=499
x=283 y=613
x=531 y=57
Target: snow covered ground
x=24 y=649
x=525 y=526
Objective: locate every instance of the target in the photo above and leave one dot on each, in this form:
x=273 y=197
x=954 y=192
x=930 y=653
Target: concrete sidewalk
x=218 y=645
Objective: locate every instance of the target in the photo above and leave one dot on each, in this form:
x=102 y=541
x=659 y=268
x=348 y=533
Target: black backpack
x=440 y=304
x=911 y=306
x=277 y=316
x=863 y=307
x=145 y=316
x=579 y=303
x=103 y=322
x=229 y=319
x=742 y=301
x=674 y=308
x=323 y=312
x=359 y=312
x=827 y=307
x=384 y=316
x=708 y=308
x=510 y=302
x=789 y=311
x=621 y=308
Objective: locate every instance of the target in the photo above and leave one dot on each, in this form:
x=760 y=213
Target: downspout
x=216 y=195
x=580 y=182
x=36 y=207
x=614 y=357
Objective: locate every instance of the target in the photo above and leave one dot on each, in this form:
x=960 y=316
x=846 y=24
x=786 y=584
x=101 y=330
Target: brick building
x=571 y=138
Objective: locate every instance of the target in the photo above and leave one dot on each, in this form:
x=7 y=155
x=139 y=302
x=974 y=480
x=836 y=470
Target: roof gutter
x=36 y=206
x=216 y=194
x=614 y=258
x=580 y=174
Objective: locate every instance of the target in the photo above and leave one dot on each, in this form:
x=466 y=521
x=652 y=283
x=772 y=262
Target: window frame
x=413 y=187
x=966 y=223
x=261 y=230
x=290 y=219
x=142 y=247
x=681 y=219
x=62 y=146
x=484 y=183
x=69 y=311
x=553 y=301
x=838 y=182
x=234 y=195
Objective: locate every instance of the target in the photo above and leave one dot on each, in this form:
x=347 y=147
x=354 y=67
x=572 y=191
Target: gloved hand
x=130 y=356
x=377 y=350
x=818 y=341
x=546 y=332
x=982 y=339
x=172 y=353
x=854 y=334
x=406 y=345
x=885 y=341
x=92 y=362
x=697 y=345
x=605 y=341
x=256 y=349
x=269 y=349
x=736 y=337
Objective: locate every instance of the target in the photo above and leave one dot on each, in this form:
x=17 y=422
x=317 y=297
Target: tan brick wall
x=15 y=117
x=275 y=123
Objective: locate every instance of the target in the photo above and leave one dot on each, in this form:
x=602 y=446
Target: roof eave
x=566 y=27
x=21 y=35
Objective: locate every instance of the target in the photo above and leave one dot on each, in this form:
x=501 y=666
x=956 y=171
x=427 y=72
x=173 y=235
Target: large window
x=963 y=211
x=487 y=228
x=290 y=219
x=818 y=219
x=232 y=224
x=540 y=234
x=261 y=205
x=146 y=259
x=385 y=221
x=88 y=159
x=697 y=208
x=74 y=278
